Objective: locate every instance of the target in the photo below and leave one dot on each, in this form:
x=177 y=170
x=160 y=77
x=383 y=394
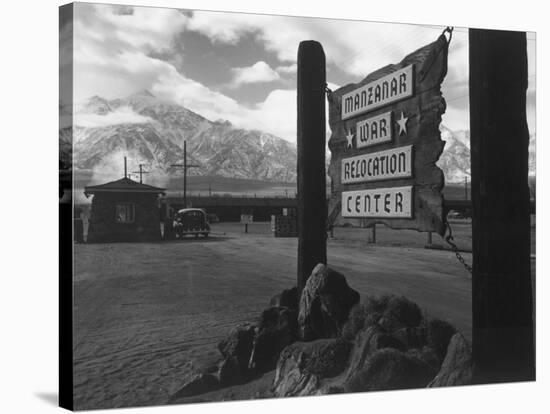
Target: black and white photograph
x=260 y=206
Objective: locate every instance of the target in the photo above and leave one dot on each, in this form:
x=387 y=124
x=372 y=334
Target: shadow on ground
x=48 y=397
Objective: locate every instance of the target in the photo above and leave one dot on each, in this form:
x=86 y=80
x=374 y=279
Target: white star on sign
x=402 y=124
x=349 y=137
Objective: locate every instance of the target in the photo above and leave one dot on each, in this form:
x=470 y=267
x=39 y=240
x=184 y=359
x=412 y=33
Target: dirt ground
x=144 y=312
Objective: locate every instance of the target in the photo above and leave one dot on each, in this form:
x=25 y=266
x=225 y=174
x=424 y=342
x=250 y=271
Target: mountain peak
x=97 y=98
x=96 y=105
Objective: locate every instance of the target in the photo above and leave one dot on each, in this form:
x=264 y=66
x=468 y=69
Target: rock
x=197 y=384
x=238 y=345
x=276 y=329
x=456 y=368
x=303 y=365
x=390 y=369
x=325 y=304
x=400 y=312
x=439 y=335
x=367 y=342
x=427 y=355
x=392 y=313
x=411 y=337
x=287 y=298
x=355 y=323
x=230 y=373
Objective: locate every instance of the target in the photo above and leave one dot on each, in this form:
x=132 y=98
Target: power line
x=140 y=172
x=185 y=167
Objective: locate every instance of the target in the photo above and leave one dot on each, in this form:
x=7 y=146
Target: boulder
x=366 y=343
x=439 y=334
x=391 y=313
x=428 y=355
x=238 y=345
x=303 y=365
x=411 y=337
x=288 y=298
x=399 y=312
x=276 y=329
x=390 y=369
x=456 y=368
x=325 y=304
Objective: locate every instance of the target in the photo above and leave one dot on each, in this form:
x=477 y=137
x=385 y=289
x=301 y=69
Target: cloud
x=139 y=27
x=288 y=69
x=275 y=115
x=110 y=43
x=123 y=65
x=356 y=48
x=257 y=73
x=123 y=115
x=115 y=49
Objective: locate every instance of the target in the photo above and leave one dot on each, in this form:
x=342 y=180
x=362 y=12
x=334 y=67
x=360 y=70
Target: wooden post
x=312 y=212
x=185 y=167
x=184 y=174
x=502 y=301
x=373 y=234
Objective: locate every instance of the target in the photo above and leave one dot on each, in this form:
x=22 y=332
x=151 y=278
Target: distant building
x=123 y=211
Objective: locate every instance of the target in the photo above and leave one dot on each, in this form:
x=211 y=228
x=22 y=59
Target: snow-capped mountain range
x=151 y=131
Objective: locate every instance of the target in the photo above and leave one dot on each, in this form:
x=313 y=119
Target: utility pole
x=141 y=172
x=503 y=346
x=465 y=188
x=185 y=167
x=125 y=168
x=312 y=211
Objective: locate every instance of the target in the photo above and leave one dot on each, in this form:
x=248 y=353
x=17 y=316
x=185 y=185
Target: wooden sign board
x=385 y=142
x=247 y=218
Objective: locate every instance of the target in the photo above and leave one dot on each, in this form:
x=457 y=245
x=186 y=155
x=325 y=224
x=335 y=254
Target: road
x=144 y=311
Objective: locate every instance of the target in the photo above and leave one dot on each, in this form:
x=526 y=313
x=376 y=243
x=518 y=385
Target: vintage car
x=191 y=221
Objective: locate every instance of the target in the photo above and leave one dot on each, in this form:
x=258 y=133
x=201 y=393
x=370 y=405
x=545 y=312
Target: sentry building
x=124 y=211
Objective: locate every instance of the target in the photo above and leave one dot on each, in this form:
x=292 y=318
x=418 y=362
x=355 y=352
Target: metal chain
x=449 y=30
x=449 y=239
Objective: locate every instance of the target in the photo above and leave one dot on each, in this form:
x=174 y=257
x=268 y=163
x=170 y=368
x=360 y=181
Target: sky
x=242 y=67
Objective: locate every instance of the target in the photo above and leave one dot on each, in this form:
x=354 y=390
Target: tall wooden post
x=184 y=174
x=502 y=302
x=185 y=167
x=312 y=209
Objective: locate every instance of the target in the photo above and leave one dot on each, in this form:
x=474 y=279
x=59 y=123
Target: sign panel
x=247 y=218
x=374 y=130
x=395 y=202
x=382 y=165
x=390 y=88
x=385 y=144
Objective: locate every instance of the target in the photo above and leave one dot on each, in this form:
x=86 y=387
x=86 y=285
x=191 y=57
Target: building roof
x=124 y=185
x=224 y=201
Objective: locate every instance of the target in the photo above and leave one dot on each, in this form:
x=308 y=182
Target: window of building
x=124 y=213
